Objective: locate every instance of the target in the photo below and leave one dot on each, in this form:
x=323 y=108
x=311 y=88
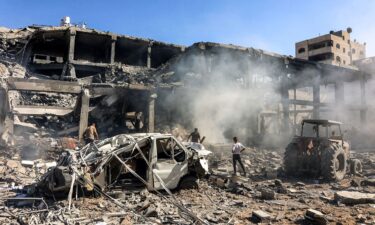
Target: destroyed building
x=54 y=80
x=108 y=78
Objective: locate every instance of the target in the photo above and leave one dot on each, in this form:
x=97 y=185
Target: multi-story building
x=335 y=48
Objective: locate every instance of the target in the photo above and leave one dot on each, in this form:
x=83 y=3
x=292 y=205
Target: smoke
x=228 y=94
x=224 y=95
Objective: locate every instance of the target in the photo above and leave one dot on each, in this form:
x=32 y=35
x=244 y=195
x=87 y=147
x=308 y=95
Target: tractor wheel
x=291 y=159
x=188 y=182
x=355 y=167
x=333 y=163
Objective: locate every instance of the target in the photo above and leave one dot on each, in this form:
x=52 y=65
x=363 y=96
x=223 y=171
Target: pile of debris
x=221 y=199
x=258 y=162
x=11 y=69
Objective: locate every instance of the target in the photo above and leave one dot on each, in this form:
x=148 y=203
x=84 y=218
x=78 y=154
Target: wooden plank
x=41 y=110
x=21 y=84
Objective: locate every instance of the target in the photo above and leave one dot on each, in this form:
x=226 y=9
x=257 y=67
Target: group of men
x=91 y=134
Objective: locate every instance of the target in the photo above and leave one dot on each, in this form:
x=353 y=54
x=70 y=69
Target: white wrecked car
x=203 y=153
x=129 y=161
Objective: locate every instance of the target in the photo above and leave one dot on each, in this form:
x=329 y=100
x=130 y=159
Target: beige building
x=335 y=48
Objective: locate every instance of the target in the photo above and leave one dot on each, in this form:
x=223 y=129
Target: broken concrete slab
x=316 y=216
x=354 y=197
x=260 y=216
x=27 y=163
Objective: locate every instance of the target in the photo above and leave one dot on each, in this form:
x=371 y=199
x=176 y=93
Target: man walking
x=236 y=151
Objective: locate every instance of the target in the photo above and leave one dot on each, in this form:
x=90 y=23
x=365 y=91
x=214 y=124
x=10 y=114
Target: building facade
x=335 y=48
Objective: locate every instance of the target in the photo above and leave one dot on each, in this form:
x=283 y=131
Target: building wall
x=335 y=48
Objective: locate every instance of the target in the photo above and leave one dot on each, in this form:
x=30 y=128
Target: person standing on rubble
x=91 y=134
x=236 y=151
x=195 y=136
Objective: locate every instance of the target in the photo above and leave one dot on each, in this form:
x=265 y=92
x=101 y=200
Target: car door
x=171 y=162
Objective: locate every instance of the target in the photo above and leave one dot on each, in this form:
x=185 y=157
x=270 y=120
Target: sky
x=272 y=25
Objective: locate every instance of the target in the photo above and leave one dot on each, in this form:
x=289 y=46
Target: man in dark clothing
x=236 y=151
x=195 y=136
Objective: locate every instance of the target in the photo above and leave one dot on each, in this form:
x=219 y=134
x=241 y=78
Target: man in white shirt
x=236 y=151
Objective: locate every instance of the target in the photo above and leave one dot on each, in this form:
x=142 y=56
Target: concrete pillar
x=84 y=115
x=6 y=120
x=4 y=106
x=72 y=43
x=151 y=112
x=149 y=49
x=6 y=134
x=339 y=99
x=316 y=101
x=284 y=92
x=71 y=71
x=113 y=49
x=295 y=106
x=363 y=112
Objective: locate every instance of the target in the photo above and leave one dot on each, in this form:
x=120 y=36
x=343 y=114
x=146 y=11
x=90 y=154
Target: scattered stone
x=353 y=197
x=278 y=183
x=316 y=216
x=220 y=182
x=324 y=198
x=212 y=219
x=259 y=216
x=300 y=184
x=27 y=163
x=237 y=203
x=12 y=164
x=268 y=194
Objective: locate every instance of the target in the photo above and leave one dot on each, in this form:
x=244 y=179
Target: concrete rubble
x=221 y=199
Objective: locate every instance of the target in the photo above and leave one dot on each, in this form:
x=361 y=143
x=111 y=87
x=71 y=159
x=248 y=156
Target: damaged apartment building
x=71 y=75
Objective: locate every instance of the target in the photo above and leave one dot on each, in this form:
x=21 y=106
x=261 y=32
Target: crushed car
x=202 y=152
x=127 y=162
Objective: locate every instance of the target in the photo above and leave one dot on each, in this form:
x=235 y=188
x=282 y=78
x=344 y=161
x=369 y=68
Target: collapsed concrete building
x=54 y=80
x=107 y=78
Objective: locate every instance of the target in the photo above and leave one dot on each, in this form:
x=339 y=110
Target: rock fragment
x=259 y=216
x=316 y=217
x=268 y=194
x=354 y=197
